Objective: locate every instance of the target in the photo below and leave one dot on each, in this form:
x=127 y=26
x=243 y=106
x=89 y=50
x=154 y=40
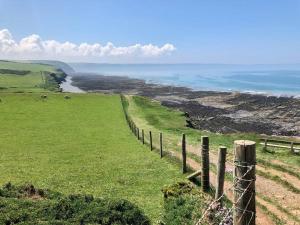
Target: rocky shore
x=223 y=112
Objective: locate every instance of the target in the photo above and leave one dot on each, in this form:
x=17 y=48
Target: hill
x=57 y=64
x=29 y=77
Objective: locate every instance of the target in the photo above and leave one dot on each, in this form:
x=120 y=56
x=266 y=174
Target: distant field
x=79 y=145
x=27 y=77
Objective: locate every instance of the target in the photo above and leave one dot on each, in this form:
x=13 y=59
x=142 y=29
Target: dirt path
x=278 y=193
x=275 y=161
x=274 y=210
x=284 y=176
x=261 y=217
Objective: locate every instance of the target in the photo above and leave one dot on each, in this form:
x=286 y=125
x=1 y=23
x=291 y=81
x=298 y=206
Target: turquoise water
x=270 y=79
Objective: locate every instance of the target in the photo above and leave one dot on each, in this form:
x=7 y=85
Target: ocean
x=283 y=80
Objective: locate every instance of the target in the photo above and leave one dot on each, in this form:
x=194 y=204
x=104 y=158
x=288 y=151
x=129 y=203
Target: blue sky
x=210 y=31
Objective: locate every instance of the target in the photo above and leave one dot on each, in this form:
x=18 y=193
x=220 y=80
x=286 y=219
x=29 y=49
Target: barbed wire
x=232 y=186
x=245 y=210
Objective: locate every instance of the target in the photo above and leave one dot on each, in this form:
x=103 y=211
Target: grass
x=27 y=77
x=80 y=145
x=151 y=115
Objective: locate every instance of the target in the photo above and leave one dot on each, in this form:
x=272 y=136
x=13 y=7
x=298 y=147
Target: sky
x=152 y=31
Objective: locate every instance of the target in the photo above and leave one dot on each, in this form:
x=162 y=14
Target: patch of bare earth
x=284 y=176
x=261 y=217
x=265 y=187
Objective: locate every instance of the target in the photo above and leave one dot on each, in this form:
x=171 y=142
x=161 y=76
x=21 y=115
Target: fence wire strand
x=168 y=143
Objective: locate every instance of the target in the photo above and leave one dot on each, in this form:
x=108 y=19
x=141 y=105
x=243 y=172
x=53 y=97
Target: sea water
x=267 y=79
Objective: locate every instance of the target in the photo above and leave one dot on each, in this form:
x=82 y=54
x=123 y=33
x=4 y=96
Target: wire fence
x=242 y=185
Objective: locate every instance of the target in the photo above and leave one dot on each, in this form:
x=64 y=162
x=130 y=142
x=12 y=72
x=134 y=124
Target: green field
x=79 y=145
x=28 y=77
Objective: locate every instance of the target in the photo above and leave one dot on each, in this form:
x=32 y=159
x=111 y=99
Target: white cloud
x=33 y=47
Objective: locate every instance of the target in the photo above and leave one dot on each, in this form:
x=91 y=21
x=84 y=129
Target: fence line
x=244 y=172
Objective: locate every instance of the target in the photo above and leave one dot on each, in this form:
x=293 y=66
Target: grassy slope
x=37 y=80
x=81 y=145
x=150 y=115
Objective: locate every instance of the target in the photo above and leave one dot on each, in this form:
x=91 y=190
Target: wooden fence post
x=244 y=183
x=161 y=145
x=266 y=144
x=150 y=139
x=205 y=164
x=183 y=154
x=221 y=174
x=292 y=147
x=138 y=133
x=143 y=137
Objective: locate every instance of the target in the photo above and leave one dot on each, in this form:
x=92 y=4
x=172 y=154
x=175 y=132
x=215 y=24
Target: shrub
x=183 y=204
x=24 y=205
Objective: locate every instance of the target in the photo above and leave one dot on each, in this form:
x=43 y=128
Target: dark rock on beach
x=224 y=112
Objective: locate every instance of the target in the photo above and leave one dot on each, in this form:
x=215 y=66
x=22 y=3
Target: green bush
x=183 y=204
x=26 y=205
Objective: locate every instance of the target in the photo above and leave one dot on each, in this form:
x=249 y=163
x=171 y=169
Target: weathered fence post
x=138 y=133
x=205 y=164
x=150 y=139
x=266 y=144
x=134 y=129
x=221 y=174
x=292 y=147
x=143 y=137
x=244 y=183
x=161 y=145
x=183 y=154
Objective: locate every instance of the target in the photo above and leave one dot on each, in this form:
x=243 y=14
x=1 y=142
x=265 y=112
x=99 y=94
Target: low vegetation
x=183 y=204
x=28 y=205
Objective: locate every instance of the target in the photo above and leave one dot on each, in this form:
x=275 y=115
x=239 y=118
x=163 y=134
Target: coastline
x=216 y=111
x=67 y=86
x=272 y=80
x=264 y=93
